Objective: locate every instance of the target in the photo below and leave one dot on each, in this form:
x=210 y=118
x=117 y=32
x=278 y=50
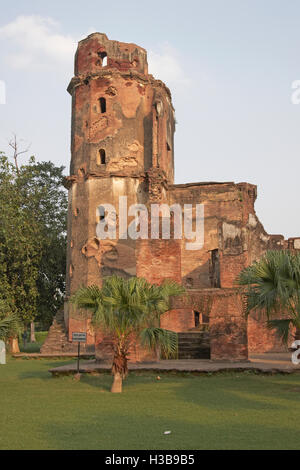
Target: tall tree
x=20 y=246
x=42 y=186
x=129 y=310
x=273 y=289
x=32 y=238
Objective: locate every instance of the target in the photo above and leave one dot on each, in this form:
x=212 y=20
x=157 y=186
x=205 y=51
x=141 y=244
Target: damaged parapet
x=96 y=52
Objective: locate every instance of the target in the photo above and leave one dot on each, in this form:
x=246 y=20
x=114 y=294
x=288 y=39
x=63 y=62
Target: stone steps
x=193 y=345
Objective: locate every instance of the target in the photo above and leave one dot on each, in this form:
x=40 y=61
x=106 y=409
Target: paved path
x=269 y=362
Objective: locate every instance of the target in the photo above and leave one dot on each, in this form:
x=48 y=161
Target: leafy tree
x=46 y=198
x=32 y=238
x=129 y=310
x=20 y=246
x=273 y=289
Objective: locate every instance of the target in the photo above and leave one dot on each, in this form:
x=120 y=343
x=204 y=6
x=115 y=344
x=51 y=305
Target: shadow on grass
x=102 y=382
x=243 y=392
x=226 y=393
x=41 y=372
x=134 y=378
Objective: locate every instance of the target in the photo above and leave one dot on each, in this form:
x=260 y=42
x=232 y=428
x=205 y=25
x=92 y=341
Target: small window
x=102 y=102
x=196 y=318
x=102 y=157
x=168 y=147
x=103 y=57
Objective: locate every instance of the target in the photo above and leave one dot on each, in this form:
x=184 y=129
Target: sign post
x=80 y=338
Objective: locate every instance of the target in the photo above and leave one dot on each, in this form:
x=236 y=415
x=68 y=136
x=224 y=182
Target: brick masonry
x=123 y=126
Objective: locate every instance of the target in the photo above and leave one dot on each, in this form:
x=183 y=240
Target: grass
x=225 y=411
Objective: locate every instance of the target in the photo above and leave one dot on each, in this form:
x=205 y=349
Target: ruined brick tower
x=122 y=145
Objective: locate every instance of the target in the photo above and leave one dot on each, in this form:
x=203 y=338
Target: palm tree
x=129 y=310
x=273 y=289
x=9 y=322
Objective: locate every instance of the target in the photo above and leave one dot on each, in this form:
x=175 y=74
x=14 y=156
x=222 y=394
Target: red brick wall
x=157 y=260
x=261 y=339
x=81 y=325
x=230 y=268
x=178 y=320
x=228 y=329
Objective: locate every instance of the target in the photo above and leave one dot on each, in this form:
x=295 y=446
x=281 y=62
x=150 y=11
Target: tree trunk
x=32 y=333
x=158 y=353
x=14 y=345
x=117 y=383
x=24 y=337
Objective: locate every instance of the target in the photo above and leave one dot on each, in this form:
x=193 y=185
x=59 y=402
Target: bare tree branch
x=14 y=144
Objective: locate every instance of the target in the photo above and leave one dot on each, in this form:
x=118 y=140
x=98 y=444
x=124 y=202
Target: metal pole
x=78 y=357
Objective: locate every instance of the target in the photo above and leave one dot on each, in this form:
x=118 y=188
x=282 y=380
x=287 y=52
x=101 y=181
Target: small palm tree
x=273 y=288
x=129 y=310
x=9 y=322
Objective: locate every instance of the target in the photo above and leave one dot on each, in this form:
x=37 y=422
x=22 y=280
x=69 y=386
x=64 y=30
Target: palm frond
x=166 y=340
x=272 y=283
x=123 y=307
x=282 y=328
x=87 y=297
x=9 y=326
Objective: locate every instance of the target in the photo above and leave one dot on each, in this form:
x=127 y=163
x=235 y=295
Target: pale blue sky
x=230 y=65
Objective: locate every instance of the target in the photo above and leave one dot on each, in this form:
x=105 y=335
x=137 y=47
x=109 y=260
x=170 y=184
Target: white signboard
x=79 y=337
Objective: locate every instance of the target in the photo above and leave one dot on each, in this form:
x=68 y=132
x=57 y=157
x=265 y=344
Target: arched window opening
x=102 y=102
x=102 y=157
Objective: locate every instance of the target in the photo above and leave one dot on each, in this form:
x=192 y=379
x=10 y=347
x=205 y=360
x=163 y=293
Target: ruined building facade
x=123 y=128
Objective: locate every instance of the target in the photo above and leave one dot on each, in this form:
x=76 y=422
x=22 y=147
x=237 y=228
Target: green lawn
x=228 y=411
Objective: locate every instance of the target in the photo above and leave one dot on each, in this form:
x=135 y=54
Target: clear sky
x=230 y=65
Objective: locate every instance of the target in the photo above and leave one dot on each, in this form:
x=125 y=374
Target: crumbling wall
x=122 y=144
x=224 y=222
